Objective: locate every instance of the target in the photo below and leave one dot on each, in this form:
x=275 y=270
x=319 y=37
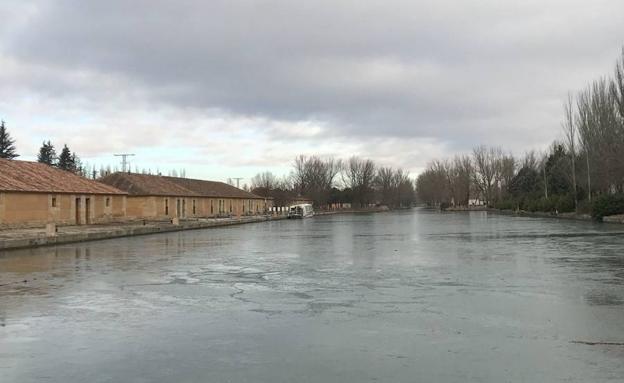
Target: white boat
x=303 y=210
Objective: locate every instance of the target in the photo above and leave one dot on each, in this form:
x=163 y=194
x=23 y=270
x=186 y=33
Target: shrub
x=607 y=204
x=565 y=203
x=584 y=207
x=543 y=204
x=506 y=204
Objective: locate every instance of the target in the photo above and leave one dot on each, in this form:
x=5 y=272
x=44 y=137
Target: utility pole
x=124 y=157
x=237 y=181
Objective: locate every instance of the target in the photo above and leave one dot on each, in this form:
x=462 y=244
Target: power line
x=124 y=157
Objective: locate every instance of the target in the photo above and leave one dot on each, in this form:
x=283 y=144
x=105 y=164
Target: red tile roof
x=25 y=176
x=148 y=185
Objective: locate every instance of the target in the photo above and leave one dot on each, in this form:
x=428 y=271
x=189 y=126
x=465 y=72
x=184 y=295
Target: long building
x=160 y=197
x=33 y=194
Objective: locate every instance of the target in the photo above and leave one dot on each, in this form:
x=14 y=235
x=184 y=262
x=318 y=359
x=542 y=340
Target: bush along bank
x=608 y=205
x=602 y=206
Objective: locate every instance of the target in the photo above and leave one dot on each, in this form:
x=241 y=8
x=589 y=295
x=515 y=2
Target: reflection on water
x=382 y=297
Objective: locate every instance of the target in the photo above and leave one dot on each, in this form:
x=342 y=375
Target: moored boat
x=304 y=210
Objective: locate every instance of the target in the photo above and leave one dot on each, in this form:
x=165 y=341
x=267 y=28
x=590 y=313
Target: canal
x=389 y=297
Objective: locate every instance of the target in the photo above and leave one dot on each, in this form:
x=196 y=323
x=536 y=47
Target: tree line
x=583 y=171
x=68 y=160
x=356 y=181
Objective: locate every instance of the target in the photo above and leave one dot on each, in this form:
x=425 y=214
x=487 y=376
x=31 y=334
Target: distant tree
x=359 y=175
x=79 y=168
x=487 y=169
x=7 y=147
x=525 y=183
x=569 y=129
x=313 y=177
x=47 y=154
x=66 y=160
x=265 y=182
x=557 y=170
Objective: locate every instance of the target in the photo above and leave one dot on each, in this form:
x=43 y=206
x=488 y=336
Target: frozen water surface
x=392 y=297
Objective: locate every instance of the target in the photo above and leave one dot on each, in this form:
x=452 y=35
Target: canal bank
x=379 y=209
x=36 y=237
x=30 y=238
x=537 y=214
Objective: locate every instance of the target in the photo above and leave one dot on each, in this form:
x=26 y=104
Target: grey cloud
x=459 y=72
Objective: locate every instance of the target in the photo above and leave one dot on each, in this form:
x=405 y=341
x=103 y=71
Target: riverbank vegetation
x=356 y=181
x=583 y=172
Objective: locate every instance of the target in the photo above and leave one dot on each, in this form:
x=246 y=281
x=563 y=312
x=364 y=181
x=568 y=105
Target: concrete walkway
x=27 y=238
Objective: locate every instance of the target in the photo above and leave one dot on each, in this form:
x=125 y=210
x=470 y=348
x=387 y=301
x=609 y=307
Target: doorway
x=78 y=211
x=88 y=211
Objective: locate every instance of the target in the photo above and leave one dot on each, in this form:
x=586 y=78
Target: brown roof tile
x=212 y=188
x=145 y=185
x=25 y=176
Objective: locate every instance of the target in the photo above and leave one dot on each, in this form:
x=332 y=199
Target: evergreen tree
x=67 y=160
x=7 y=147
x=47 y=154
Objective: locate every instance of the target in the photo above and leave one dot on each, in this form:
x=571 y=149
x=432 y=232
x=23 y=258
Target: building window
x=211 y=207
x=107 y=201
x=194 y=211
x=166 y=206
x=230 y=206
x=53 y=201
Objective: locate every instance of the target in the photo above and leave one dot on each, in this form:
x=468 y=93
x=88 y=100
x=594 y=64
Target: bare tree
x=486 y=170
x=394 y=187
x=569 y=132
x=359 y=175
x=464 y=173
x=543 y=162
x=265 y=180
x=314 y=177
x=386 y=185
x=586 y=134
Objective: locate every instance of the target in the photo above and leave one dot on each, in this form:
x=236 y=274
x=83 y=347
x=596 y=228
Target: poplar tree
x=7 y=147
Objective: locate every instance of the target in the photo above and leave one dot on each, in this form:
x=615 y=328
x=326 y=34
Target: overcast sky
x=229 y=88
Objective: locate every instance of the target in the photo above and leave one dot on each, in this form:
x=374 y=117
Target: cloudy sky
x=229 y=88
